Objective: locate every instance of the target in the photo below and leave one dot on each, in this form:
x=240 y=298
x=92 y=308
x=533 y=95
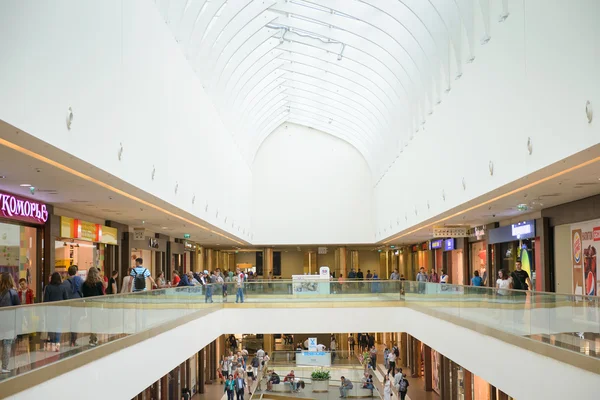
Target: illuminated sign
x=449 y=244
x=523 y=230
x=437 y=244
x=23 y=209
x=509 y=233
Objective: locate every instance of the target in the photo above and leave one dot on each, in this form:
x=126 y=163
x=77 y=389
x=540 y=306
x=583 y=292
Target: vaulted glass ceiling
x=366 y=71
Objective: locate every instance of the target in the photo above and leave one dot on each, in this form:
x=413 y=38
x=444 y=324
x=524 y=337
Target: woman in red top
x=25 y=293
x=176 y=278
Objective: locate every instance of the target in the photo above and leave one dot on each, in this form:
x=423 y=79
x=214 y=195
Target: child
x=25 y=293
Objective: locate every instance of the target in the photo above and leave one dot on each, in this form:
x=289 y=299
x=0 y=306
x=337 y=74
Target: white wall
x=310 y=187
x=118 y=66
x=496 y=364
x=532 y=79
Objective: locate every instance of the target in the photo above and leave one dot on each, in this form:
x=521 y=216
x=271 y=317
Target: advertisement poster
x=585 y=238
x=435 y=367
x=310 y=284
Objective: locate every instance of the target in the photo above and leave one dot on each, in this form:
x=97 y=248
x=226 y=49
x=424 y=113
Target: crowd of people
x=214 y=282
x=237 y=371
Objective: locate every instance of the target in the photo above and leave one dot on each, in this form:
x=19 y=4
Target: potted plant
x=320 y=380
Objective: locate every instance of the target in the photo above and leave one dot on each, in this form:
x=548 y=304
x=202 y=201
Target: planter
x=320 y=386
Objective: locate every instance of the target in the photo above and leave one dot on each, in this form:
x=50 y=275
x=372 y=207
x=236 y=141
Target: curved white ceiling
x=365 y=71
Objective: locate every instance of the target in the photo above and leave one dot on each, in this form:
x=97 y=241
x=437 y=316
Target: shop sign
x=415 y=248
x=139 y=233
x=77 y=229
x=189 y=246
x=451 y=231
x=87 y=231
x=479 y=232
x=523 y=230
x=153 y=243
x=21 y=209
x=514 y=232
x=449 y=244
x=437 y=244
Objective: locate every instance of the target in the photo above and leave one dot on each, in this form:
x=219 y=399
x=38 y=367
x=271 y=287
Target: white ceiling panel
x=366 y=71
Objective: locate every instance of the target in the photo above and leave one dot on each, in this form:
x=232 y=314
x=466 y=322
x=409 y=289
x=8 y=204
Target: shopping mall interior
x=314 y=199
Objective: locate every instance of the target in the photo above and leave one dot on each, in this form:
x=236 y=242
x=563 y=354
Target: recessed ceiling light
x=24 y=185
x=164 y=227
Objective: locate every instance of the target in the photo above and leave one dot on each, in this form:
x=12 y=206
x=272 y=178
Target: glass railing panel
x=567 y=321
x=40 y=334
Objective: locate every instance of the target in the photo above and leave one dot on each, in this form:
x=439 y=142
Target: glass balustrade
x=568 y=321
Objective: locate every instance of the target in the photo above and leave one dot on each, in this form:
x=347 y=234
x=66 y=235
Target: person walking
x=139 y=275
x=229 y=387
x=55 y=291
x=351 y=344
x=403 y=390
x=240 y=385
x=387 y=388
x=8 y=297
x=239 y=283
x=112 y=283
x=92 y=287
x=392 y=363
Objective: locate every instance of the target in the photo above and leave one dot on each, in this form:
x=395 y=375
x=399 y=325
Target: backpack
x=139 y=280
x=6 y=298
x=403 y=385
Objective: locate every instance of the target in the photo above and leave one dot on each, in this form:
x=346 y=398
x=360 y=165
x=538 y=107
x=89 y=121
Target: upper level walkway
x=488 y=331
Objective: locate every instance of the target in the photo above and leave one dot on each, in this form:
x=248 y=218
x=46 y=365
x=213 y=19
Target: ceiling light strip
x=72 y=171
x=502 y=196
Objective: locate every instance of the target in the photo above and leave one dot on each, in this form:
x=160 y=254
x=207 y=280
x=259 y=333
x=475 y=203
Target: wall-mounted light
x=69 y=118
x=120 y=152
x=589 y=112
x=529 y=145
x=491 y=168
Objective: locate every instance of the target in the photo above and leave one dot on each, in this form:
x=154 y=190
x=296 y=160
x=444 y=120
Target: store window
x=18 y=253
x=478 y=262
x=78 y=252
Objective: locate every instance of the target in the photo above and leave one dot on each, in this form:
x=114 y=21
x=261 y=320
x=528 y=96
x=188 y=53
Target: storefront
x=420 y=257
x=83 y=244
x=437 y=253
x=454 y=262
x=478 y=253
x=189 y=257
x=177 y=256
x=22 y=224
x=511 y=243
x=151 y=250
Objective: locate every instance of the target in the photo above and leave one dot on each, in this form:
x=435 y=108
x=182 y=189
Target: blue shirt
x=477 y=281
x=138 y=271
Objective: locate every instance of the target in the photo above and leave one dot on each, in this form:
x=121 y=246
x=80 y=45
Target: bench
x=282 y=387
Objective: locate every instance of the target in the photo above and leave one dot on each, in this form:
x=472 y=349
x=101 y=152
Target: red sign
x=22 y=209
x=596 y=234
